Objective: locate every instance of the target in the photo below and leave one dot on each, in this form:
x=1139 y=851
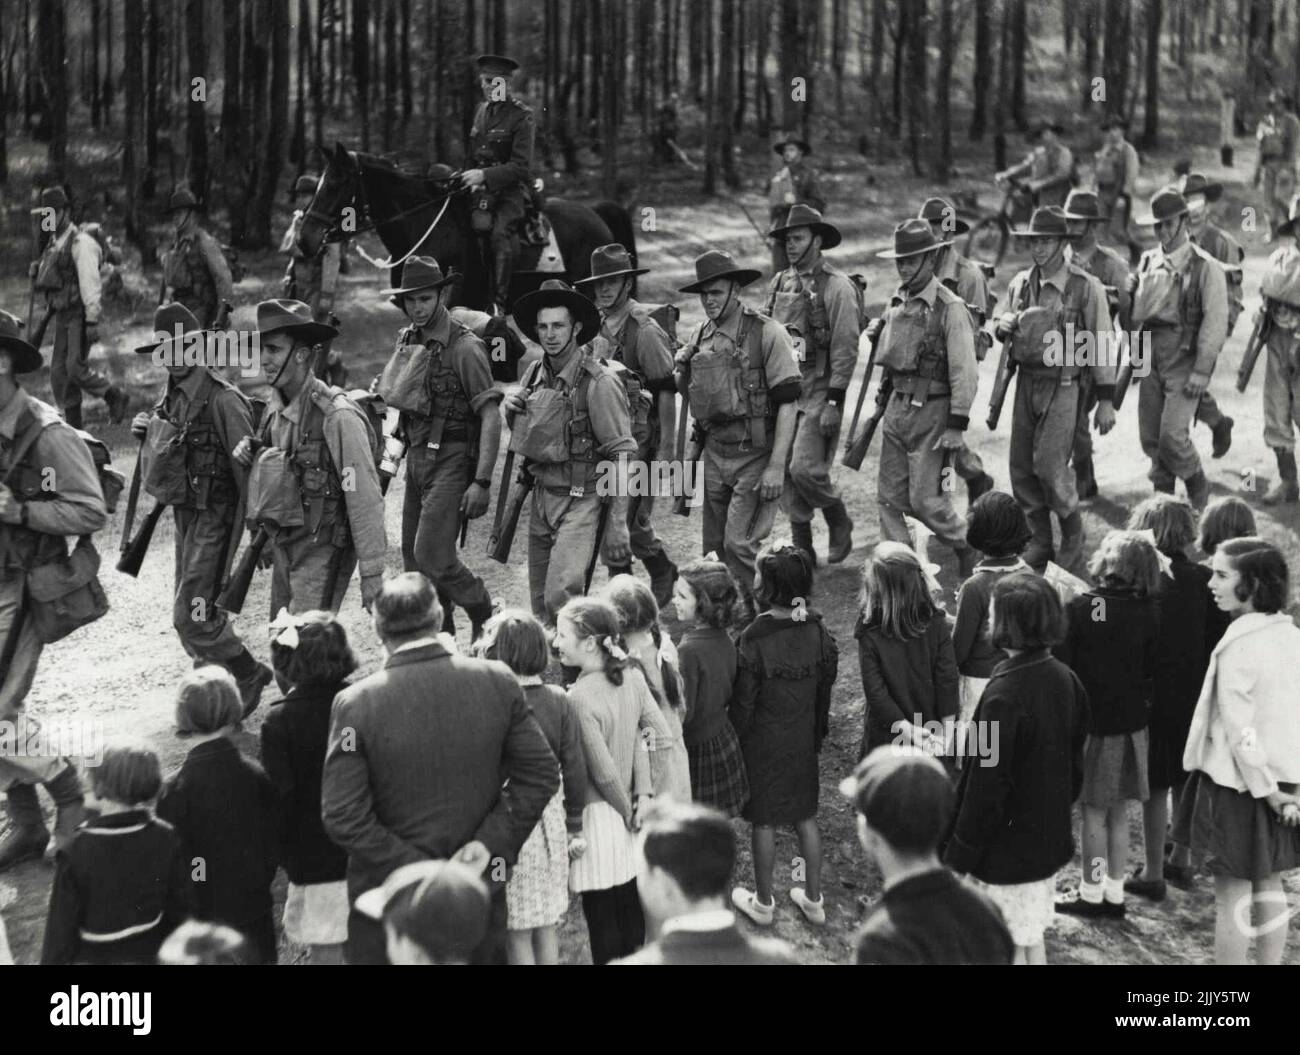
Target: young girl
x=121 y=885
x=310 y=653
x=612 y=699
x=996 y=526
x=1111 y=644
x=705 y=597
x=905 y=653
x=1225 y=518
x=1013 y=830
x=537 y=894
x=781 y=709
x=224 y=810
x=638 y=618
x=1243 y=753
x=1182 y=653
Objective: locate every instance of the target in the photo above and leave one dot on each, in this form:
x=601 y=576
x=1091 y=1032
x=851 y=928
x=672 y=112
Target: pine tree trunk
x=611 y=100
x=917 y=118
x=408 y=90
x=694 y=55
x=196 y=168
x=1088 y=30
x=1151 y=124
x=982 y=68
x=133 y=26
x=1018 y=42
x=52 y=35
x=900 y=61
x=95 y=88
x=153 y=89
x=762 y=86
x=390 y=71
x=942 y=90
x=233 y=94
x=108 y=92
x=726 y=79
x=361 y=65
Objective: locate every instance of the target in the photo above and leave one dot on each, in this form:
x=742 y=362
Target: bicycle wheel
x=987 y=240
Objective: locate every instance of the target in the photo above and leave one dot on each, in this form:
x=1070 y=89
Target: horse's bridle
x=331 y=223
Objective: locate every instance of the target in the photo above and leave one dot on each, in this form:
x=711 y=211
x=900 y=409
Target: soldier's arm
x=1097 y=313
x=219 y=269
x=963 y=369
x=842 y=314
x=1124 y=299
x=233 y=419
x=784 y=385
x=654 y=353
x=349 y=446
x=611 y=424
x=1214 y=321
x=470 y=362
x=86 y=256
x=77 y=507
x=519 y=169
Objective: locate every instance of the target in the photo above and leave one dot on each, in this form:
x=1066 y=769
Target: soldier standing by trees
x=195 y=271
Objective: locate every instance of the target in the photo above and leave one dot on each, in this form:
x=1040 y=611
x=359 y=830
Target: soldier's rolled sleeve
x=519 y=169
x=219 y=269
x=842 y=313
x=77 y=507
x=86 y=257
x=963 y=369
x=349 y=446
x=1097 y=312
x=233 y=419
x=780 y=368
x=654 y=355
x=611 y=418
x=469 y=362
x=1214 y=321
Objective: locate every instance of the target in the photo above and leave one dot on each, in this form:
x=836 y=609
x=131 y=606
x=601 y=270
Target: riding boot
x=252 y=677
x=478 y=616
x=70 y=805
x=1040 y=550
x=978 y=485
x=841 y=528
x=663 y=573
x=27 y=833
x=503 y=262
x=448 y=612
x=801 y=536
x=1222 y=433
x=1198 y=490
x=1287 y=488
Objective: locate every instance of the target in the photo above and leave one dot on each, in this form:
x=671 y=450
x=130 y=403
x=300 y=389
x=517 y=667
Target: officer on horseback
x=501 y=146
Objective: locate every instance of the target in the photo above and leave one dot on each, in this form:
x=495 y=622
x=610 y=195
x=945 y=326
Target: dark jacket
x=1111 y=645
x=121 y=875
x=1012 y=823
x=294 y=737
x=709 y=948
x=706 y=658
x=431 y=752
x=1190 y=626
x=903 y=679
x=934 y=918
x=225 y=811
x=558 y=719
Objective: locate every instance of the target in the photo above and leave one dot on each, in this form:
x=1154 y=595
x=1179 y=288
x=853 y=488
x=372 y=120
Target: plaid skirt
x=718 y=774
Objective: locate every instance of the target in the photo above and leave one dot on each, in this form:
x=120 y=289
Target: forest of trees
x=232 y=96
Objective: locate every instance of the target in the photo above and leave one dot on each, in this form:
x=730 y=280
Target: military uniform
x=634 y=339
x=1281 y=290
x=196 y=274
x=49 y=518
x=69 y=280
x=740 y=370
x=927 y=350
x=187 y=464
x=1046 y=410
x=576 y=417
x=440 y=424
x=315 y=487
x=818 y=306
x=1182 y=304
x=1278 y=135
x=1048 y=170
x=1116 y=167
x=313 y=280
x=796 y=184
x=501 y=144
x=966 y=278
x=1228 y=252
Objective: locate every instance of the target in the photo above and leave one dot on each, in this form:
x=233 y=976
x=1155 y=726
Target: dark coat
x=225 y=810
x=558 y=719
x=934 y=918
x=901 y=679
x=431 y=752
x=1012 y=823
x=294 y=737
x=709 y=948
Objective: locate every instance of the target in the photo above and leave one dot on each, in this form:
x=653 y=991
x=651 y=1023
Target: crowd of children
x=1157 y=684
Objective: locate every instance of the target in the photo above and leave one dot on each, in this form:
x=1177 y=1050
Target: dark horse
x=400 y=208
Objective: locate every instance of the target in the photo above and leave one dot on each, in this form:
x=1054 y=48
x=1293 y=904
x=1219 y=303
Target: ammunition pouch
x=274 y=495
x=729 y=387
x=540 y=434
x=64 y=594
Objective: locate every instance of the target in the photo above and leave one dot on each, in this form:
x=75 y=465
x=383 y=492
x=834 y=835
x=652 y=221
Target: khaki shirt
x=966 y=278
x=780 y=367
x=1045 y=166
x=1108 y=268
x=467 y=356
x=213 y=257
x=1278 y=137
x=505 y=131
x=1282 y=277
x=959 y=340
x=651 y=358
x=1121 y=161
x=87 y=256
x=1096 y=313
x=1228 y=252
x=794 y=185
x=1214 y=301
x=836 y=289
x=347 y=440
x=231 y=416
x=76 y=506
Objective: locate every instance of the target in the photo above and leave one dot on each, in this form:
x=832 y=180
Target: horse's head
x=336 y=192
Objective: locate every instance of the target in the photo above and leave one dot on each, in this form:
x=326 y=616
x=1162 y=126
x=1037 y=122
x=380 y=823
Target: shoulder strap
x=772 y=287
x=1022 y=298
x=753 y=349
x=32 y=427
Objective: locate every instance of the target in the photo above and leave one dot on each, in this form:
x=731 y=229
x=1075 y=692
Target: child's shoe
x=813 y=911
x=1103 y=909
x=746 y=901
x=1179 y=875
x=1138 y=883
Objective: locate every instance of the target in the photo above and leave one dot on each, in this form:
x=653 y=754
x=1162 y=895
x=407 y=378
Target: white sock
x=1114 y=890
x=1091 y=892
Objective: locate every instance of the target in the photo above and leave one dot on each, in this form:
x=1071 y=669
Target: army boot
x=841 y=526
x=978 y=485
x=1287 y=488
x=70 y=803
x=1072 y=539
x=801 y=536
x=252 y=677
x=1198 y=489
x=1222 y=433
x=478 y=617
x=1085 y=482
x=27 y=833
x=663 y=573
x=1039 y=551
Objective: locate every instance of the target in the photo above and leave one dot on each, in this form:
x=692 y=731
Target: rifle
x=133 y=553
x=682 y=504
x=231 y=599
x=1258 y=338
x=858 y=451
x=1124 y=375
x=38 y=333
x=464 y=528
x=132 y=499
x=1006 y=370
x=509 y=507
x=862 y=394
x=602 y=522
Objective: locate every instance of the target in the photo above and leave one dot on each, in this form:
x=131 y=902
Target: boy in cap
x=501 y=149
x=630 y=335
x=68 y=279
x=817 y=303
x=571 y=421
x=313 y=483
x=440 y=383
x=743 y=383
x=187 y=460
x=794 y=183
x=1180 y=301
x=195 y=271
x=433 y=912
x=36 y=447
x=926 y=915
x=1048 y=307
x=926 y=347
